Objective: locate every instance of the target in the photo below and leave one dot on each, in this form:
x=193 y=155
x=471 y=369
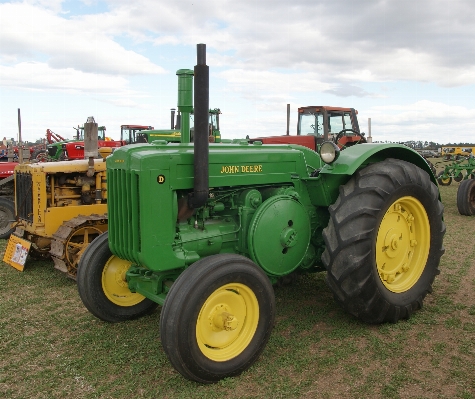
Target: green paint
x=267 y=202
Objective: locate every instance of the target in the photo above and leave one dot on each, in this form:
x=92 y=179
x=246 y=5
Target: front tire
x=384 y=241
x=217 y=317
x=102 y=285
x=466 y=197
x=7 y=216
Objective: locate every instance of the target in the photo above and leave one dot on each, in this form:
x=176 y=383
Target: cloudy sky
x=409 y=65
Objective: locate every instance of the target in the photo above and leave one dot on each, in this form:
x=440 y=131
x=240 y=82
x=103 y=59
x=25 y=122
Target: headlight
x=329 y=152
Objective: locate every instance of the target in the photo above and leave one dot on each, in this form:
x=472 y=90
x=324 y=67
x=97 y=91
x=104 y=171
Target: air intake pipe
x=201 y=148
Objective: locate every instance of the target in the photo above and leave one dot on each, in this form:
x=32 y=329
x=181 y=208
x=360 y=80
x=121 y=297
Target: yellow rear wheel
x=402 y=244
x=384 y=241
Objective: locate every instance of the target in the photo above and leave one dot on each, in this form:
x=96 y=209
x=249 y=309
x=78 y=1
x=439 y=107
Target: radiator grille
x=24 y=196
x=123 y=213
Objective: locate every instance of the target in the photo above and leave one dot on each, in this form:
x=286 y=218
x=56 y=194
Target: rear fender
x=361 y=155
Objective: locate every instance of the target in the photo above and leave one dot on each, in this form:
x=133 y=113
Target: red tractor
x=317 y=124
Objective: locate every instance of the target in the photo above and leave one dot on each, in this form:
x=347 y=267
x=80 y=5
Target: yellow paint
x=233 y=169
x=115 y=285
x=227 y=322
x=55 y=217
x=402 y=244
x=16 y=252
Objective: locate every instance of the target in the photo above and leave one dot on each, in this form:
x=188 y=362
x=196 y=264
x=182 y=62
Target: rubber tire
x=7 y=216
x=458 y=178
x=182 y=306
x=350 y=238
x=466 y=197
x=441 y=182
x=89 y=283
x=35 y=154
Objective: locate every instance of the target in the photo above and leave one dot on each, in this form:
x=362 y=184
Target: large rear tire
x=7 y=216
x=102 y=285
x=384 y=241
x=217 y=317
x=466 y=197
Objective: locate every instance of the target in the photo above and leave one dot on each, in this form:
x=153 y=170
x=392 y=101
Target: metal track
x=61 y=239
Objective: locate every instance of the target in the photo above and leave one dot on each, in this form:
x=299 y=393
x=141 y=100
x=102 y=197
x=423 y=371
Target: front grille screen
x=24 y=196
x=123 y=213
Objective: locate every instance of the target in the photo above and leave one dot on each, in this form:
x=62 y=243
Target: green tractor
x=182 y=126
x=235 y=218
x=55 y=151
x=133 y=134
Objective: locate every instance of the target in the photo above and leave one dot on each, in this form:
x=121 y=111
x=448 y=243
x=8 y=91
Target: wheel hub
x=227 y=322
x=400 y=259
x=223 y=320
x=114 y=283
x=288 y=237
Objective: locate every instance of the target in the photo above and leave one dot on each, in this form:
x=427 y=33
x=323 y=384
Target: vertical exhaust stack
x=288 y=119
x=172 y=118
x=91 y=143
x=178 y=121
x=201 y=147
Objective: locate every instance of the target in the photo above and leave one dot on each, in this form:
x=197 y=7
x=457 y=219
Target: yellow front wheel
x=115 y=285
x=217 y=317
x=227 y=322
x=102 y=285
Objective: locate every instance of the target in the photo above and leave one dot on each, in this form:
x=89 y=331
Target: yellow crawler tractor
x=60 y=208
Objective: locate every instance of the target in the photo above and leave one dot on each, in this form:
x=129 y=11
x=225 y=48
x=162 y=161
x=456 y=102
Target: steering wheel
x=340 y=143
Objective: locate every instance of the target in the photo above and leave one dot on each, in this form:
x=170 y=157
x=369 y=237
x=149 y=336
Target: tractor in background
x=62 y=206
x=55 y=147
x=132 y=134
x=7 y=198
x=317 y=124
x=235 y=218
x=74 y=149
x=40 y=153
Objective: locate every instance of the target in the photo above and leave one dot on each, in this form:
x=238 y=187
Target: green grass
x=51 y=347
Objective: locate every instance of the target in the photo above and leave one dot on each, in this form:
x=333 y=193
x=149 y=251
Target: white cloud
x=39 y=76
x=262 y=54
x=425 y=40
x=422 y=120
x=29 y=32
x=274 y=81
